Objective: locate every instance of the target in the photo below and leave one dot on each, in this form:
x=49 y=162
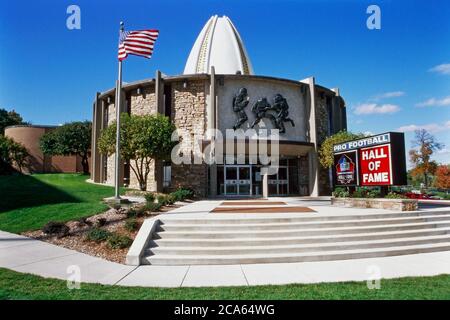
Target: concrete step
x=168 y=226
x=300 y=231
x=233 y=242
x=166 y=259
x=304 y=218
x=274 y=247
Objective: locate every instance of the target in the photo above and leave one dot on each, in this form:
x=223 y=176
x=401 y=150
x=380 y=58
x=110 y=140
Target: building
x=219 y=90
x=37 y=162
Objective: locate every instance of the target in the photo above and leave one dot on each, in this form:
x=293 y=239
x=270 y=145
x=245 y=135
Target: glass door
x=279 y=183
x=238 y=180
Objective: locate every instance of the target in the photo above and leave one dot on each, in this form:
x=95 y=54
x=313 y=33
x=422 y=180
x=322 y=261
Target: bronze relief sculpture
x=277 y=113
x=240 y=101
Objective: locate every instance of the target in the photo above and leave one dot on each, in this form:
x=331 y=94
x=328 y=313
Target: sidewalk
x=27 y=255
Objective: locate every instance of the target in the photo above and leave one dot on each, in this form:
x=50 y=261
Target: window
x=167 y=175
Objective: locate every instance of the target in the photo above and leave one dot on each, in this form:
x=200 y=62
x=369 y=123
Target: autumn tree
x=72 y=138
x=326 y=158
x=424 y=145
x=142 y=140
x=442 y=177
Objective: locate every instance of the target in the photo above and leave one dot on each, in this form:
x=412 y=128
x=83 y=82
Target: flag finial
x=121 y=26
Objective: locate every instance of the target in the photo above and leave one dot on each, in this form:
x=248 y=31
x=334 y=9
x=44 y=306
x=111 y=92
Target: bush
x=394 y=195
x=153 y=206
x=98 y=235
x=56 y=228
x=117 y=241
x=340 y=192
x=150 y=197
x=163 y=200
x=366 y=193
x=182 y=194
x=135 y=212
x=131 y=224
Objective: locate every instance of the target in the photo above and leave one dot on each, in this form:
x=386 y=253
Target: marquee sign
x=372 y=161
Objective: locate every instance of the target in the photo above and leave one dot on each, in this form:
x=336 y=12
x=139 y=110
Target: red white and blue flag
x=139 y=43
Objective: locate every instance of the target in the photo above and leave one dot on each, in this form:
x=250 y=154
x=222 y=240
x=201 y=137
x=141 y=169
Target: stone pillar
x=211 y=121
x=312 y=155
x=103 y=125
x=96 y=127
x=159 y=93
x=265 y=185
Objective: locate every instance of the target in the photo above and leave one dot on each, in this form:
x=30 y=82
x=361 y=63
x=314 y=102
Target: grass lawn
x=28 y=202
x=14 y=285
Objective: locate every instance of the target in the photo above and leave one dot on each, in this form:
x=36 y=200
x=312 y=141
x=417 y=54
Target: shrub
x=150 y=197
x=100 y=222
x=131 y=224
x=182 y=194
x=135 y=212
x=56 y=228
x=98 y=235
x=117 y=241
x=366 y=193
x=153 y=206
x=163 y=200
x=394 y=195
x=340 y=192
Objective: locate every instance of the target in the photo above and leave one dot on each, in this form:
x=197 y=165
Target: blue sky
x=394 y=78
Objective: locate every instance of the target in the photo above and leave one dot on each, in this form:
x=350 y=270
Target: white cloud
x=443 y=151
x=431 y=127
x=433 y=102
x=386 y=95
x=374 y=108
x=441 y=68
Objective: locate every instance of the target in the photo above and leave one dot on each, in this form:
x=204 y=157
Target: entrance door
x=238 y=180
x=279 y=182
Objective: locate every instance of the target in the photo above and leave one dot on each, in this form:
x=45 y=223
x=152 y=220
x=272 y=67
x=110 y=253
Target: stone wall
x=188 y=113
x=110 y=160
x=388 y=204
x=143 y=104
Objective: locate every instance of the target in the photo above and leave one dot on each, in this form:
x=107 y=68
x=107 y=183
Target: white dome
x=220 y=45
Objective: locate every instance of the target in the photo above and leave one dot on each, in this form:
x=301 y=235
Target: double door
x=238 y=180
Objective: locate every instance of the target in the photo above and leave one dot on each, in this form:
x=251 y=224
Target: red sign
x=375 y=166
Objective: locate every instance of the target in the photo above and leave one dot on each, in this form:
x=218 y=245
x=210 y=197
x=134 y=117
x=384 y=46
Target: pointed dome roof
x=220 y=45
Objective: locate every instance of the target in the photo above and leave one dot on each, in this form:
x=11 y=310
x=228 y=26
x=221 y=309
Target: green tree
x=11 y=154
x=424 y=145
x=9 y=118
x=326 y=149
x=72 y=138
x=142 y=139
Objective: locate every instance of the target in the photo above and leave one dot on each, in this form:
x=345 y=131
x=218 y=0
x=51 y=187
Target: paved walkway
x=27 y=255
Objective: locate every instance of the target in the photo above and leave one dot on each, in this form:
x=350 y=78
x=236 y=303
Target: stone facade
x=143 y=104
x=188 y=114
x=187 y=100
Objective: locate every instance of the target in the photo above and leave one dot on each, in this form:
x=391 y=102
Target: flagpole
x=118 y=107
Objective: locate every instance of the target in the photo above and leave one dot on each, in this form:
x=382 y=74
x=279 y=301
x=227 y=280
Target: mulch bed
x=261 y=210
x=252 y=203
x=75 y=240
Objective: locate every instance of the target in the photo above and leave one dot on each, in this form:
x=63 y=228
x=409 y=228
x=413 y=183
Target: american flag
x=139 y=43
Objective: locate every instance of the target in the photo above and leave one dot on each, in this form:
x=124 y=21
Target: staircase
x=230 y=240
